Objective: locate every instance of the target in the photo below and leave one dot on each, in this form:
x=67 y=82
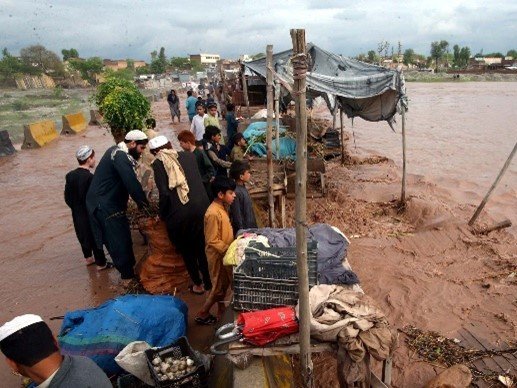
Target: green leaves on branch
x=122 y=105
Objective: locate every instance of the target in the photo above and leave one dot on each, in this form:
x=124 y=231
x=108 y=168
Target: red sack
x=262 y=327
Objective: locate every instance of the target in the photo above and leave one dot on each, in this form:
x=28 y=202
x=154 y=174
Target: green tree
x=512 y=53
x=154 y=54
x=180 y=63
x=142 y=70
x=464 y=56
x=495 y=55
x=161 y=57
x=456 y=52
x=68 y=54
x=88 y=68
x=158 y=63
x=41 y=59
x=362 y=57
x=130 y=64
x=372 y=57
x=409 y=57
x=9 y=67
x=438 y=50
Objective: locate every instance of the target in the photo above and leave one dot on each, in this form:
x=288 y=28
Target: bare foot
x=89 y=261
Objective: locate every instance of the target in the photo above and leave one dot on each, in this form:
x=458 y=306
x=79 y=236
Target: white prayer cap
x=83 y=153
x=18 y=323
x=135 y=135
x=157 y=142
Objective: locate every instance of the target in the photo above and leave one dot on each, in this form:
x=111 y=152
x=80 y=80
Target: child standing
x=198 y=123
x=218 y=237
x=239 y=148
x=241 y=210
x=211 y=118
x=216 y=151
x=77 y=184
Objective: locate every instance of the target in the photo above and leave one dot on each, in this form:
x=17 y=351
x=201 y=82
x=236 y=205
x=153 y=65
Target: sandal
x=209 y=320
x=191 y=288
x=107 y=266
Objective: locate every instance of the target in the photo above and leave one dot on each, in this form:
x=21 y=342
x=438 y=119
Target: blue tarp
x=257 y=130
x=101 y=333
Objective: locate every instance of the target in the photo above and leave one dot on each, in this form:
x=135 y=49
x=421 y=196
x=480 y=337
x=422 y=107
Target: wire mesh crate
x=268 y=277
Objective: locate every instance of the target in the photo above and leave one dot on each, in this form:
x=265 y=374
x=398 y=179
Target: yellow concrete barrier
x=73 y=123
x=38 y=134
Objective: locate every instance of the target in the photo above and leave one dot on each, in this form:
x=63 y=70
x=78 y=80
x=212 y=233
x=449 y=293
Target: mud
x=423 y=266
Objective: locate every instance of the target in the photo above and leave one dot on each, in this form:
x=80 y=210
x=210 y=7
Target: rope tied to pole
x=300 y=66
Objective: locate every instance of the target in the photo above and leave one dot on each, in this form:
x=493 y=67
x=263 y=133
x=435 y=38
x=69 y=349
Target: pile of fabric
x=333 y=266
x=353 y=321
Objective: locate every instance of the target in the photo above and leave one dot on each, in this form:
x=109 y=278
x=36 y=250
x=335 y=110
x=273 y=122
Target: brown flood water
x=458 y=138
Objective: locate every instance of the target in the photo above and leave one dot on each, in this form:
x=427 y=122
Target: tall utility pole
x=300 y=66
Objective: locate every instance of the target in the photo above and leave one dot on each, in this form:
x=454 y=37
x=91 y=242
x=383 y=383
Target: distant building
x=120 y=64
x=205 y=59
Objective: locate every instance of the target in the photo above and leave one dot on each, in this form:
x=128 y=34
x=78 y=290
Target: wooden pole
x=403 y=192
x=269 y=135
x=245 y=91
x=334 y=116
x=225 y=90
x=501 y=173
x=277 y=119
x=299 y=92
x=342 y=136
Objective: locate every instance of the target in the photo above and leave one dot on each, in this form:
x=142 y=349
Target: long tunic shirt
x=241 y=210
x=218 y=232
x=114 y=181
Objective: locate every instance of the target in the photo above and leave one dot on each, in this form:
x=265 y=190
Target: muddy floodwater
x=458 y=137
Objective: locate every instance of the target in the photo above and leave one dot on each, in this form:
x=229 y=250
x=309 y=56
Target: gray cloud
x=121 y=29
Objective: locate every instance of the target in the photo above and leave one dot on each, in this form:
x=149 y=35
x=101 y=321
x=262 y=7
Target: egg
x=175 y=362
x=190 y=362
x=156 y=361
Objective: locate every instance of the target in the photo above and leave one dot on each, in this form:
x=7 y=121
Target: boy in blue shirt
x=190 y=104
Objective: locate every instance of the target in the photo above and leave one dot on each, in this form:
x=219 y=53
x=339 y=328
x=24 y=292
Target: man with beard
x=113 y=182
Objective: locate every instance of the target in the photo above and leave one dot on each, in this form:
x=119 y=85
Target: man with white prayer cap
x=114 y=181
x=32 y=351
x=77 y=184
x=183 y=203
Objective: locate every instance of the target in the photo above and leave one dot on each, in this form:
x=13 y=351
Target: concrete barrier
x=38 y=134
x=73 y=123
x=6 y=146
x=95 y=117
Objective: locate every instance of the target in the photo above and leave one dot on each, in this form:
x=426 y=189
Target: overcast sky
x=122 y=29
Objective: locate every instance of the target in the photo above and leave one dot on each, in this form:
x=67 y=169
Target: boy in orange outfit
x=218 y=237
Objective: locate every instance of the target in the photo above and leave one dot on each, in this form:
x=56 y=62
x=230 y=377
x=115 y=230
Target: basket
x=268 y=277
x=180 y=348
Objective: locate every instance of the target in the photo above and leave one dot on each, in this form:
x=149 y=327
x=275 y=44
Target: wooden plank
x=279 y=350
x=279 y=372
x=489 y=362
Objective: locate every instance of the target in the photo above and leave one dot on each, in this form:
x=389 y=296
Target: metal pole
x=269 y=135
x=299 y=91
x=496 y=182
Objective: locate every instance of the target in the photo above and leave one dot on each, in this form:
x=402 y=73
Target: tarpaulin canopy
x=360 y=89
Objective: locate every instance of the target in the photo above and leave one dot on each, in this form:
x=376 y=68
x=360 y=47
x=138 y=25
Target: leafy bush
x=124 y=109
x=109 y=86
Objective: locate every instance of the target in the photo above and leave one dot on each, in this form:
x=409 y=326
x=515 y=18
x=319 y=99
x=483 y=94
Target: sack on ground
x=133 y=360
x=101 y=333
x=163 y=271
